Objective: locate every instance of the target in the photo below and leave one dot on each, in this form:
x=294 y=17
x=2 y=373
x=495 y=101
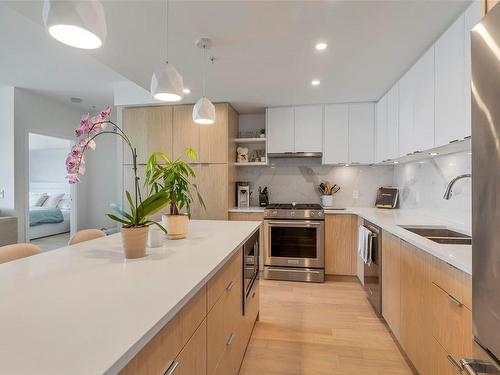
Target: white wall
x=42 y=115
x=422 y=185
x=48 y=165
x=103 y=176
x=7 y=204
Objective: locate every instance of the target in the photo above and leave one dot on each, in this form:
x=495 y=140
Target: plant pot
x=134 y=241
x=177 y=226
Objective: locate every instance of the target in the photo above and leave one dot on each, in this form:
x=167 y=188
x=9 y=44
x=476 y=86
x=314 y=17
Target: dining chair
x=86 y=235
x=18 y=251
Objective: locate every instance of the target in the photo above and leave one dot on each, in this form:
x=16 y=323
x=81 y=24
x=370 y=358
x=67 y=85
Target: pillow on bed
x=65 y=202
x=37 y=199
x=53 y=200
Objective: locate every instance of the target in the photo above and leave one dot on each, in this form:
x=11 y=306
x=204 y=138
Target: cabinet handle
x=229 y=286
x=171 y=368
x=230 y=339
x=468 y=137
x=453 y=141
x=253 y=295
x=455 y=301
x=454 y=363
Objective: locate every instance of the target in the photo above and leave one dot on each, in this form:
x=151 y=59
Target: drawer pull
x=171 y=368
x=230 y=339
x=229 y=286
x=455 y=301
x=253 y=294
x=454 y=363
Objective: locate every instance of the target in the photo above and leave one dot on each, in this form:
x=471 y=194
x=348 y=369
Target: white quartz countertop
x=84 y=309
x=252 y=209
x=459 y=256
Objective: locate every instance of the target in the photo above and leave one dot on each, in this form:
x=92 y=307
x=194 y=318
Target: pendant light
x=79 y=24
x=166 y=83
x=204 y=110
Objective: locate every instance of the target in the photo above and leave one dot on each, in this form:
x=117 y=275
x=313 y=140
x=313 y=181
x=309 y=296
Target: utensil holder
x=327 y=200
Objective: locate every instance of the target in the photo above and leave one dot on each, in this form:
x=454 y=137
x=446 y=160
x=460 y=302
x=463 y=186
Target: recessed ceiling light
x=315 y=82
x=186 y=91
x=321 y=46
x=433 y=153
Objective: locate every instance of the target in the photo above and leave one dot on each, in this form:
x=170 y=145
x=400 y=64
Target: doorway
x=51 y=208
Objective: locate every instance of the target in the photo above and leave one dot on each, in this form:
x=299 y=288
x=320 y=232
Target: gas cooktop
x=294 y=211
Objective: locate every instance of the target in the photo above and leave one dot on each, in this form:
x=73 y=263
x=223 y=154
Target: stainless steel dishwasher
x=373 y=270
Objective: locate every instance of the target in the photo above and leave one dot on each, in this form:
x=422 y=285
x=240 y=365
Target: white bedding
x=44 y=230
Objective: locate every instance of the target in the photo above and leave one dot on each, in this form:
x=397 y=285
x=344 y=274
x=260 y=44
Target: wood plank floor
x=319 y=329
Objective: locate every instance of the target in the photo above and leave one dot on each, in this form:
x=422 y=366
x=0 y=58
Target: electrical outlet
x=2 y=194
x=355 y=194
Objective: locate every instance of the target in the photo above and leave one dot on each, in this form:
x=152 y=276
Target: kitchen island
x=84 y=309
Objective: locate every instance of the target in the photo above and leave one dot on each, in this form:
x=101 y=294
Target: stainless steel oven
x=294 y=248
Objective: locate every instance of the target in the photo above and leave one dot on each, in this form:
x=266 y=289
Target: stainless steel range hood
x=296 y=155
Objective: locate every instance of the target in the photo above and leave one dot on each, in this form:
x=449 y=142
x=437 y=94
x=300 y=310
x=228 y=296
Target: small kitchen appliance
x=295 y=243
x=387 y=197
x=263 y=197
x=243 y=194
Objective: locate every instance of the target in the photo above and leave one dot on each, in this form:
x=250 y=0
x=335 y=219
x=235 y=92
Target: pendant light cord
x=204 y=69
x=166 y=31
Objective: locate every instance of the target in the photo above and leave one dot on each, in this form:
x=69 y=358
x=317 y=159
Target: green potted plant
x=135 y=223
x=174 y=177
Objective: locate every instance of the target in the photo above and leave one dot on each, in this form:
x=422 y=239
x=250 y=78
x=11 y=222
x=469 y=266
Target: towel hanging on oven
x=365 y=237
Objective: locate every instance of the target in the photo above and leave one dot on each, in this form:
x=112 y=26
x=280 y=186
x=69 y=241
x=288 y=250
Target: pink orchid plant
x=92 y=127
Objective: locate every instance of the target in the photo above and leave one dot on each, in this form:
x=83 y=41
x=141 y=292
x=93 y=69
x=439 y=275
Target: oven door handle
x=294 y=223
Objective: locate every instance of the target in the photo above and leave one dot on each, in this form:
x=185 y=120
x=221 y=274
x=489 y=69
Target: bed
x=53 y=219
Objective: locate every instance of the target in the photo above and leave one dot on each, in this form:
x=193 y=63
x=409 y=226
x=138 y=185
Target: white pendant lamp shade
x=167 y=84
x=204 y=112
x=80 y=24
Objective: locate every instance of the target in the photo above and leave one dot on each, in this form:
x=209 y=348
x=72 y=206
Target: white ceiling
x=264 y=51
x=31 y=59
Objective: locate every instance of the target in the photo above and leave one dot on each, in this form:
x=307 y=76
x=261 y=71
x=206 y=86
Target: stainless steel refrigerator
x=485 y=40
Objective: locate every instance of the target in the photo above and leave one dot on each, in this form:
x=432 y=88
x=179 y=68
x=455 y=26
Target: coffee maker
x=243 y=194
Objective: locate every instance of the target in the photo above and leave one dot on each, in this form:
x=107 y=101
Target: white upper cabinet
x=416 y=106
x=472 y=17
x=336 y=134
x=361 y=133
x=309 y=128
x=280 y=130
x=381 y=130
x=406 y=99
x=423 y=102
x=392 y=139
x=450 y=81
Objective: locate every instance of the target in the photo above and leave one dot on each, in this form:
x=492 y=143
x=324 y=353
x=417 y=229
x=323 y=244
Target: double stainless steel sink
x=440 y=235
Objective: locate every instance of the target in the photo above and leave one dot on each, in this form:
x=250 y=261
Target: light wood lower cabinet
x=425 y=303
x=209 y=335
x=246 y=216
x=341 y=238
x=415 y=306
x=391 y=282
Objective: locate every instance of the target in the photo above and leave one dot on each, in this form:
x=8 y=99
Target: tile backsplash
x=422 y=185
x=297 y=180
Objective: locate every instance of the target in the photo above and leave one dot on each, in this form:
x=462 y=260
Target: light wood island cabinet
x=209 y=335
